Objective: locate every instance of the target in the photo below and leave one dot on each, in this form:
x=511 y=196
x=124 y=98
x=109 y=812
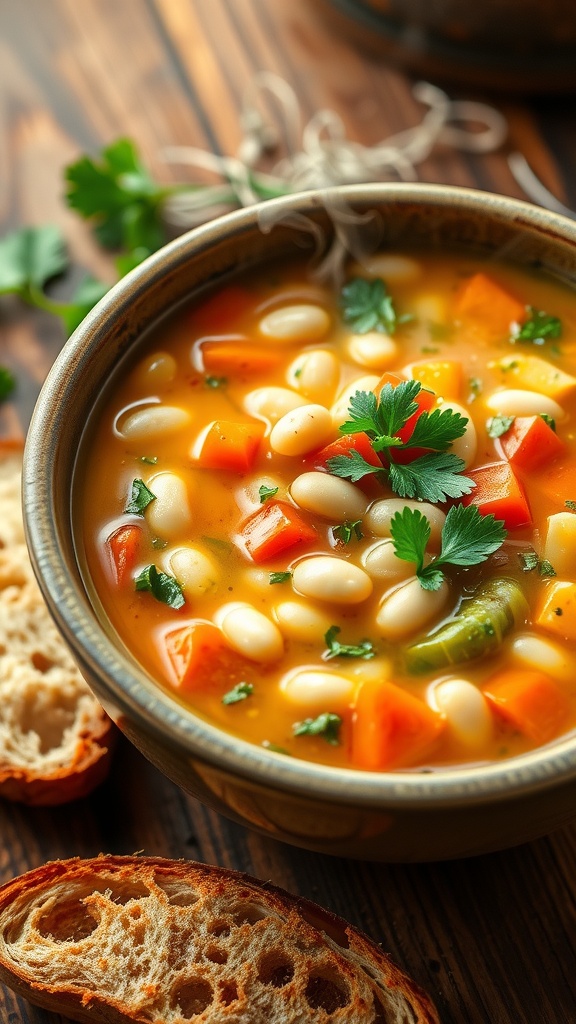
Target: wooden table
x=493 y=938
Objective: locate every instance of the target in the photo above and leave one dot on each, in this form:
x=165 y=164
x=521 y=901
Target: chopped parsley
x=215 y=382
x=529 y=561
x=326 y=725
x=365 y=649
x=140 y=498
x=150 y=460
x=571 y=505
x=239 y=692
x=265 y=492
x=7 y=383
x=548 y=420
x=367 y=306
x=158 y=543
x=498 y=425
x=475 y=384
x=434 y=476
x=538 y=328
x=468 y=538
x=163 y=587
x=279 y=577
x=348 y=529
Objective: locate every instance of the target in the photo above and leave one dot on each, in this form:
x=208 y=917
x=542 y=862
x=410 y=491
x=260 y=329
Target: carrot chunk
x=222 y=311
x=343 y=446
x=491 y=306
x=274 y=528
x=229 y=445
x=441 y=376
x=557 y=610
x=497 y=491
x=236 y=356
x=124 y=546
x=530 y=443
x=531 y=702
x=391 y=728
x=558 y=482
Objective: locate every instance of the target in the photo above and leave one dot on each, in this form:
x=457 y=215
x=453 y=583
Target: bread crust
x=249 y=951
x=55 y=739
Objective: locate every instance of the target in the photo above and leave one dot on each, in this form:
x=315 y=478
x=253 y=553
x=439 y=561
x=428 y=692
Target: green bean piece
x=475 y=632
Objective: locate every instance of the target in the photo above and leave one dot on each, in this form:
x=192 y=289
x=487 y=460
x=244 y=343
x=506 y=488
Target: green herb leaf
x=275 y=748
x=266 y=492
x=528 y=560
x=140 y=498
x=367 y=306
x=7 y=383
x=239 y=692
x=163 y=587
x=437 y=430
x=546 y=568
x=548 y=420
x=346 y=530
x=326 y=725
x=31 y=257
x=433 y=477
x=88 y=293
x=365 y=649
x=215 y=382
x=410 y=533
x=279 y=577
x=158 y=543
x=498 y=425
x=354 y=467
x=571 y=505
x=150 y=460
x=538 y=328
x=382 y=416
x=475 y=384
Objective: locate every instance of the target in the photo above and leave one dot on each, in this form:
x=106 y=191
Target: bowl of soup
x=301 y=496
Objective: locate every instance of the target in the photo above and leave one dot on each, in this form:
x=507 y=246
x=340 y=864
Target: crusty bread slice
x=118 y=939
x=55 y=739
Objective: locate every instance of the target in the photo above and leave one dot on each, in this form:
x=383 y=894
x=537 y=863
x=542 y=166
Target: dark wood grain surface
x=493 y=939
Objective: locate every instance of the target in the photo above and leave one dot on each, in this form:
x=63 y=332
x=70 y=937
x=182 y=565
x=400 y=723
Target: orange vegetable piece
x=530 y=443
x=274 y=528
x=441 y=376
x=558 y=482
x=557 y=610
x=124 y=546
x=497 y=491
x=200 y=658
x=229 y=445
x=494 y=309
x=391 y=728
x=222 y=311
x=343 y=446
x=530 y=701
x=237 y=356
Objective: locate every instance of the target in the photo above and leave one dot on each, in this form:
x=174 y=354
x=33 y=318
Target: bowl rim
x=128 y=690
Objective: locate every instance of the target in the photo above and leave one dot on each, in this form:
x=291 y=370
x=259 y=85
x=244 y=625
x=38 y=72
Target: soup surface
x=344 y=526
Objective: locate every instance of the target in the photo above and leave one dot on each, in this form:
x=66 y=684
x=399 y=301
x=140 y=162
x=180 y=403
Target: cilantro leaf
x=279 y=577
x=548 y=420
x=239 y=692
x=498 y=425
x=433 y=477
x=353 y=467
x=346 y=530
x=140 y=498
x=365 y=649
x=571 y=505
x=367 y=306
x=266 y=492
x=546 y=568
x=31 y=257
x=7 y=383
x=538 y=328
x=529 y=561
x=326 y=725
x=437 y=429
x=163 y=587
x=410 y=532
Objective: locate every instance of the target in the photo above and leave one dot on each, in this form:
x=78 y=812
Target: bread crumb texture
x=166 y=942
x=54 y=736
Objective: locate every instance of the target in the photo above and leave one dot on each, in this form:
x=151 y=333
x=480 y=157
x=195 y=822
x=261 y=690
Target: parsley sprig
x=365 y=649
x=326 y=725
x=345 y=531
x=163 y=587
x=435 y=476
x=238 y=692
x=140 y=497
x=468 y=538
x=367 y=306
x=539 y=327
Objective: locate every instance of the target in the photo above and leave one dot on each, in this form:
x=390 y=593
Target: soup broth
x=344 y=526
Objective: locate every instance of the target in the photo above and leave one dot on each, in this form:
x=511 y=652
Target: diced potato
x=557 y=611
x=443 y=376
x=560 y=543
x=535 y=374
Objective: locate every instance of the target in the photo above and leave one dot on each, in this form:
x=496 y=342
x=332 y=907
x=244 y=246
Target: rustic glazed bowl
x=402 y=816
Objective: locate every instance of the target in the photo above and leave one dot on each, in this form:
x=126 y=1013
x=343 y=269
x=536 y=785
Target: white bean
x=329 y=578
x=534 y=652
x=315 y=374
x=153 y=421
x=464 y=447
x=250 y=632
x=407 y=610
x=382 y=563
x=393 y=267
x=373 y=350
x=290 y=324
x=316 y=689
x=157 y=370
x=302 y=621
x=379 y=515
x=194 y=570
x=302 y=430
x=339 y=410
x=514 y=402
x=170 y=513
x=467 y=713
x=271 y=403
x=248 y=496
x=329 y=496
x=560 y=543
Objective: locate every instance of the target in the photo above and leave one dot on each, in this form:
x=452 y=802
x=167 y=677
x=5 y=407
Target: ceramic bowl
x=403 y=816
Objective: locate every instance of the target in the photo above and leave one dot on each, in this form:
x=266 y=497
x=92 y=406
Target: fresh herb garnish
x=279 y=577
x=468 y=538
x=140 y=498
x=346 y=530
x=365 y=649
x=571 y=505
x=475 y=385
x=215 y=382
x=546 y=568
x=548 y=420
x=498 y=425
x=266 y=492
x=158 y=543
x=150 y=460
x=326 y=725
x=529 y=561
x=275 y=748
x=538 y=328
x=7 y=383
x=367 y=306
x=239 y=692
x=163 y=587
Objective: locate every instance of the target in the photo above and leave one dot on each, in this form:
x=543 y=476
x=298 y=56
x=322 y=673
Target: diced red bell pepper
x=229 y=445
x=497 y=491
x=275 y=528
x=391 y=728
x=124 y=546
x=530 y=442
x=200 y=658
x=343 y=446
